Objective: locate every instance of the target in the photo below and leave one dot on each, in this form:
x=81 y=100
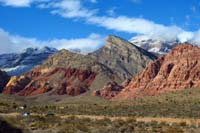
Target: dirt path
x=139 y=119
x=10 y=114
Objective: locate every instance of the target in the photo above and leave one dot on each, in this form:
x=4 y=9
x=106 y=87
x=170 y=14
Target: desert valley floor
x=174 y=112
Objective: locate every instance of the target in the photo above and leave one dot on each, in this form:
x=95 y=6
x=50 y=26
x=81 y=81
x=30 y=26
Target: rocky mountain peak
x=117 y=42
x=178 y=70
x=123 y=57
x=185 y=47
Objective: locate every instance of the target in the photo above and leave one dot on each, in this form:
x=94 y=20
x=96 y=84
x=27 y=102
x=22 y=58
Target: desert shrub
x=183 y=124
x=174 y=130
x=82 y=127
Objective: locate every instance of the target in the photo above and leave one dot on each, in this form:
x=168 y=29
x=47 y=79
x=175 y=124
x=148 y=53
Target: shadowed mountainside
x=4 y=78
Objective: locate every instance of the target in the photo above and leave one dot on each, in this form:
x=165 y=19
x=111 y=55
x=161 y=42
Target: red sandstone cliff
x=178 y=70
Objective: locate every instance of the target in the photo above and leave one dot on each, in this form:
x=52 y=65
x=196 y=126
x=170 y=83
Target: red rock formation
x=111 y=89
x=16 y=84
x=178 y=70
x=60 y=81
x=4 y=78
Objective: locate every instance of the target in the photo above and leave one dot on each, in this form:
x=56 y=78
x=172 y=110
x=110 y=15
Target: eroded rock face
x=69 y=81
x=122 y=57
x=4 y=78
x=111 y=89
x=178 y=70
x=65 y=73
x=16 y=84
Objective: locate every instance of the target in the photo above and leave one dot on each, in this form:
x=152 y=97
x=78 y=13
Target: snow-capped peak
x=16 y=64
x=160 y=46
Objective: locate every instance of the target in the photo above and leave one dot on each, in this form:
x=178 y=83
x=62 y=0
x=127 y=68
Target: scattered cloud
x=12 y=43
x=111 y=11
x=20 y=3
x=93 y=1
x=75 y=9
x=70 y=9
x=137 y=1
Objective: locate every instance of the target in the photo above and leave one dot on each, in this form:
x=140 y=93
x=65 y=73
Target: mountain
x=16 y=64
x=122 y=57
x=63 y=73
x=159 y=46
x=4 y=78
x=178 y=70
x=68 y=73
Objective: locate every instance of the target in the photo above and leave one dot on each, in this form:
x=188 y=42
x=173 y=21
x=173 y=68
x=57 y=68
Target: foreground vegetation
x=75 y=124
x=180 y=104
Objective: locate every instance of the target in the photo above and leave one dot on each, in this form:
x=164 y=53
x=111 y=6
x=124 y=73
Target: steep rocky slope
x=124 y=58
x=73 y=74
x=16 y=64
x=178 y=70
x=63 y=73
x=4 y=78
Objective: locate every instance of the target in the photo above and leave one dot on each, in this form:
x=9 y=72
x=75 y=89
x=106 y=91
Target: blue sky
x=84 y=24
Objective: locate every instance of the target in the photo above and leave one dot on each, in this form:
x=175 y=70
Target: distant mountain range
x=16 y=64
x=19 y=63
x=119 y=71
x=68 y=73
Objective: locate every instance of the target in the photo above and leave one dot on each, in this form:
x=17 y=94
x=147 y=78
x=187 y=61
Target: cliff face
x=178 y=70
x=122 y=57
x=4 y=78
x=65 y=73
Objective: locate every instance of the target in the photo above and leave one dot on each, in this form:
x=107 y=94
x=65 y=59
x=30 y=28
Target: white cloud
x=196 y=38
x=70 y=9
x=20 y=3
x=11 y=43
x=88 y=44
x=74 y=9
x=137 y=25
x=185 y=36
